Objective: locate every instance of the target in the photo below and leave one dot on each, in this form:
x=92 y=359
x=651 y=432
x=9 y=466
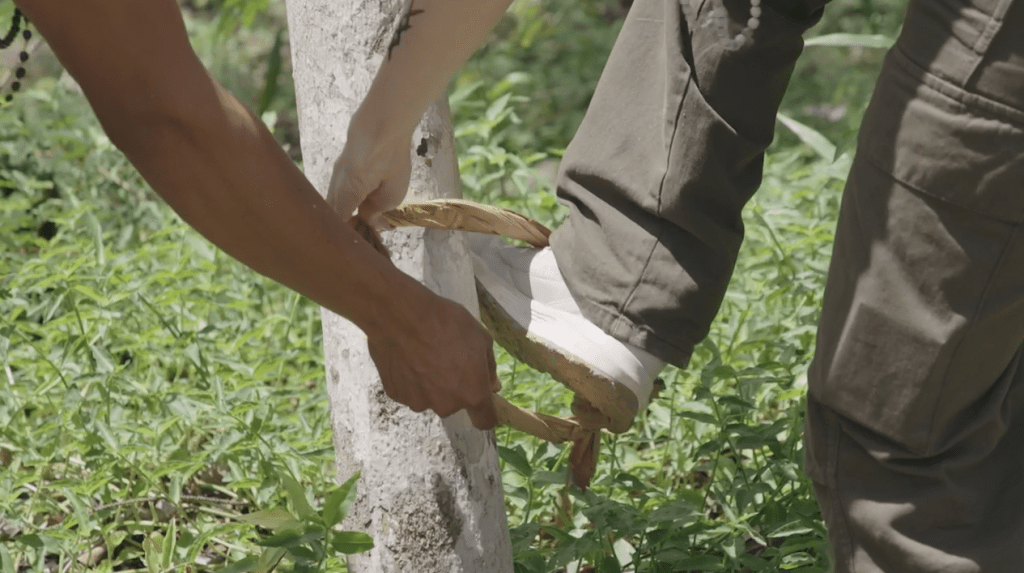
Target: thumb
x=343 y=193
x=370 y=212
x=389 y=195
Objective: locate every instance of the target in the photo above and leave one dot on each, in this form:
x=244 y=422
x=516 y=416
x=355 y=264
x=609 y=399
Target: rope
x=462 y=215
x=584 y=428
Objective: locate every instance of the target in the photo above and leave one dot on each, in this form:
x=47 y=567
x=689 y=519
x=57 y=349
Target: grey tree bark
x=430 y=492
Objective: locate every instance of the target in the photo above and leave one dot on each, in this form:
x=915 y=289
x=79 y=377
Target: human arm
x=221 y=170
x=433 y=40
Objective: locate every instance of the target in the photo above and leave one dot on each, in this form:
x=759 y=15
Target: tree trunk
x=430 y=492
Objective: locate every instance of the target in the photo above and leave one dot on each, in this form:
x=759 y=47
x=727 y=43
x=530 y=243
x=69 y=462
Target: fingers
x=482 y=413
x=388 y=195
x=475 y=397
x=341 y=194
x=444 y=361
x=481 y=409
x=405 y=394
x=373 y=215
x=492 y=367
x=484 y=416
x=373 y=207
x=370 y=234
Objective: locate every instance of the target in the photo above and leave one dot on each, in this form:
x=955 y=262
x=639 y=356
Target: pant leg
x=670 y=150
x=915 y=423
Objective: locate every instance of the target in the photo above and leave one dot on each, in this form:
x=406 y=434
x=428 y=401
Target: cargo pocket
x=941 y=140
x=890 y=381
x=935 y=196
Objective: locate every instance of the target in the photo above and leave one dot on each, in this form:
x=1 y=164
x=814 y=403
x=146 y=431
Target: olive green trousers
x=915 y=422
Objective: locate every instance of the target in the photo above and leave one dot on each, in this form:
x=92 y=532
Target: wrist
x=393 y=312
x=377 y=130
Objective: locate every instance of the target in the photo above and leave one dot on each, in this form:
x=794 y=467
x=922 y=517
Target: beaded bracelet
x=5 y=42
x=752 y=23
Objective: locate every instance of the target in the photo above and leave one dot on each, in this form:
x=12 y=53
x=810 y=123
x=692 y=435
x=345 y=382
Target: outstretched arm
x=222 y=171
x=433 y=39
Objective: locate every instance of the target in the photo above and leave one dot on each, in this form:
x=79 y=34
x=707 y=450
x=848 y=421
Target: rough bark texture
x=430 y=492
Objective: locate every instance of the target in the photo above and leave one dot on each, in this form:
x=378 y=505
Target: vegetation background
x=153 y=390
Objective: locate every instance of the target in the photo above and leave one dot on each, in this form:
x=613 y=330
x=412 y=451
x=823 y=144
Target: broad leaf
x=242 y=566
x=337 y=504
x=297 y=495
x=516 y=457
x=349 y=542
x=269 y=559
x=272 y=519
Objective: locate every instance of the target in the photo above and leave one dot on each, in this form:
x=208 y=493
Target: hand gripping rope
x=584 y=427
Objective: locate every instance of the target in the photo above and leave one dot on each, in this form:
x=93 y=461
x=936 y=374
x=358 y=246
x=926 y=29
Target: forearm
x=432 y=42
x=211 y=159
x=223 y=172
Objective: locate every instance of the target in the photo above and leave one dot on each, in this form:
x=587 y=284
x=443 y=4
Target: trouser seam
x=920 y=191
x=984 y=41
x=835 y=439
x=960 y=94
x=661 y=185
x=621 y=309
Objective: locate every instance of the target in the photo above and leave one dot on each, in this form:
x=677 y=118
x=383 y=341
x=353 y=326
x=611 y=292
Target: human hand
x=371 y=175
x=442 y=360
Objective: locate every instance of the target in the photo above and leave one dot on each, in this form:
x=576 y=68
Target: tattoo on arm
x=403 y=25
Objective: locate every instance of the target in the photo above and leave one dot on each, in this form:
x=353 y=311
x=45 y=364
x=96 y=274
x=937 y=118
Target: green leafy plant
x=150 y=387
x=304 y=535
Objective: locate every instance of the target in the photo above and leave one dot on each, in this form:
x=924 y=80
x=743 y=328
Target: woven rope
x=462 y=215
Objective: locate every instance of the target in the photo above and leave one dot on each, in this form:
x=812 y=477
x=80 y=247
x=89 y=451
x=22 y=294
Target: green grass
x=140 y=363
x=152 y=389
